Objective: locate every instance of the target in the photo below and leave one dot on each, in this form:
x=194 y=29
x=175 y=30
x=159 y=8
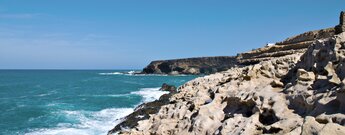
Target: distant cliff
x=209 y=65
x=201 y=65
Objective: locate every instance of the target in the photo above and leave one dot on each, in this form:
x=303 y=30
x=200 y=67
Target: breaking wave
x=96 y=122
x=111 y=73
x=150 y=94
x=88 y=122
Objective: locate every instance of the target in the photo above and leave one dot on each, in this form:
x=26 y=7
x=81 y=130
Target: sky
x=128 y=34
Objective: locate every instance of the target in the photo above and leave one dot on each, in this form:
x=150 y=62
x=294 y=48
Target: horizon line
x=64 y=69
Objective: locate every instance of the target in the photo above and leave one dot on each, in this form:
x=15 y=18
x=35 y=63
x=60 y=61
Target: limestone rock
x=304 y=75
x=313 y=127
x=291 y=94
x=276 y=83
x=292 y=45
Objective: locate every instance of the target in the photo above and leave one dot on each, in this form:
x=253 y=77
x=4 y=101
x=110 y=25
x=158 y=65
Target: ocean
x=73 y=102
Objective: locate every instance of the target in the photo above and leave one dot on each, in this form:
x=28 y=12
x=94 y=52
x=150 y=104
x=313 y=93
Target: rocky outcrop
x=208 y=65
x=167 y=87
x=309 y=36
x=292 y=45
x=341 y=27
x=143 y=111
x=301 y=93
x=202 y=65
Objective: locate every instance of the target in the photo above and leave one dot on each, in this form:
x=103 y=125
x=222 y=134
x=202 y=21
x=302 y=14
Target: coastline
x=74 y=102
x=293 y=87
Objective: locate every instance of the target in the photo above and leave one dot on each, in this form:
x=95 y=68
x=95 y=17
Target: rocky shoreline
x=143 y=111
x=194 y=66
x=296 y=86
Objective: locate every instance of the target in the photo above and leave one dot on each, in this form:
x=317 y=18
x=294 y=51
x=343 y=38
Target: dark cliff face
x=202 y=65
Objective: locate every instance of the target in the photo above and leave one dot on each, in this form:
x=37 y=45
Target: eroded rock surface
x=301 y=93
x=144 y=110
x=295 y=44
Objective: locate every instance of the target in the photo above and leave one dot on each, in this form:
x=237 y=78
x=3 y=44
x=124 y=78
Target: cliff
x=292 y=45
x=202 y=65
x=209 y=65
x=298 y=93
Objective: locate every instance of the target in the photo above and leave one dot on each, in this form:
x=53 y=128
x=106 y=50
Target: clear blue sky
x=128 y=34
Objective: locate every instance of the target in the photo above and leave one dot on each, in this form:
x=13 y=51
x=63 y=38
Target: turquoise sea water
x=73 y=101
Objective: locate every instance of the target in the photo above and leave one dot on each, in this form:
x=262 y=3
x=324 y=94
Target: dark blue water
x=73 y=101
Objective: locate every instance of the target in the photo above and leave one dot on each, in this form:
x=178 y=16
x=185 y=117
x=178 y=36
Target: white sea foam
x=132 y=72
x=137 y=73
x=42 y=95
x=46 y=94
x=147 y=74
x=89 y=123
x=111 y=73
x=150 y=94
x=112 y=95
x=121 y=73
x=98 y=122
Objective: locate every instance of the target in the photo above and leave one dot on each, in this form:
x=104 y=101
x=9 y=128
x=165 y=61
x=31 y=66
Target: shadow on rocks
x=144 y=110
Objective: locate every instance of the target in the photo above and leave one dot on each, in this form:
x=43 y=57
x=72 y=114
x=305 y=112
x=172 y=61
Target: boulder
x=304 y=75
x=167 y=87
x=276 y=83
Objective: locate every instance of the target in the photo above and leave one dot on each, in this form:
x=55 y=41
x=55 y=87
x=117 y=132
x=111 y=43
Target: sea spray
x=74 y=101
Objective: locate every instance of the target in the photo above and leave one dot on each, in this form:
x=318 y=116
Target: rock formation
x=208 y=65
x=341 y=27
x=167 y=87
x=143 y=111
x=273 y=92
x=202 y=65
x=295 y=44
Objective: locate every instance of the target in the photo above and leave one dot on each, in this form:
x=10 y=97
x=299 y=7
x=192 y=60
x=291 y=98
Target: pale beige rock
x=335 y=79
x=193 y=71
x=313 y=127
x=310 y=126
x=276 y=83
x=332 y=129
x=296 y=94
x=304 y=75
